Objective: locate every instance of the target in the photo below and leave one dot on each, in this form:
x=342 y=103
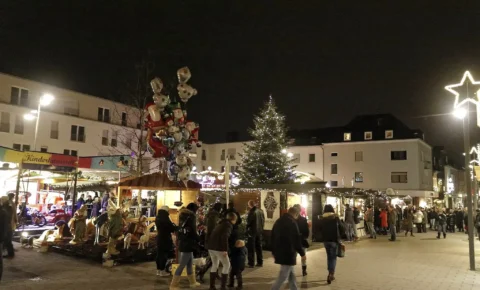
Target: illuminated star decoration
x=461 y=100
x=476 y=150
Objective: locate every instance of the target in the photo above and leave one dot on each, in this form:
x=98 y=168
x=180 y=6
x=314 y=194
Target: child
x=237 y=260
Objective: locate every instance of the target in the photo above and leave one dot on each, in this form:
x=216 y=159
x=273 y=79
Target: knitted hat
x=165 y=208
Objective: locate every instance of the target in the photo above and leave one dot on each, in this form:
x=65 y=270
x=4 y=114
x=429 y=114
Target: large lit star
x=476 y=150
x=472 y=88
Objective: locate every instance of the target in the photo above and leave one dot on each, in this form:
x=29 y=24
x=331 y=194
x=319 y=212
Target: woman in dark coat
x=331 y=240
x=187 y=242
x=165 y=248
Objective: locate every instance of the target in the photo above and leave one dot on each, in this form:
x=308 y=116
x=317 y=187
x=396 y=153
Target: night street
x=420 y=262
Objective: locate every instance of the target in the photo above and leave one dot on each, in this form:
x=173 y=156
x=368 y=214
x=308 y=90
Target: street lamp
x=463 y=99
x=44 y=101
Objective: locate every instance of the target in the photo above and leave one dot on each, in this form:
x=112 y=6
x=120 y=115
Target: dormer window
x=347 y=136
x=389 y=134
x=367 y=135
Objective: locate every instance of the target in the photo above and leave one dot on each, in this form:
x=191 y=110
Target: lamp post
x=463 y=99
x=44 y=100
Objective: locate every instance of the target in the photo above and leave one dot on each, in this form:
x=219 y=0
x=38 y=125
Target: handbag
x=340 y=250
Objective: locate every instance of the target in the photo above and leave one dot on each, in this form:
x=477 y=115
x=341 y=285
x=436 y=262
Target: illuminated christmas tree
x=264 y=160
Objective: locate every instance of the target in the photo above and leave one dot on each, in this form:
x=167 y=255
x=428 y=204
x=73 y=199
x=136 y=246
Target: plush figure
x=115 y=226
x=141 y=226
x=184 y=173
x=143 y=241
x=177 y=113
x=185 y=92
x=90 y=231
x=155 y=145
x=157 y=85
x=154 y=117
x=161 y=101
x=193 y=128
x=78 y=225
x=126 y=241
x=99 y=222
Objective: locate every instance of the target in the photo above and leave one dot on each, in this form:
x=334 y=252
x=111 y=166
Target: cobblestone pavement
x=420 y=262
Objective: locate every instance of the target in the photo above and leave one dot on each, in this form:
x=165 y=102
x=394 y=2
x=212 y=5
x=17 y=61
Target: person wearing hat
x=165 y=247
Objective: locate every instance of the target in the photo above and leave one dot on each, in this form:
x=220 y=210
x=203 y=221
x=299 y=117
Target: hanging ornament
x=161 y=101
x=185 y=92
x=183 y=75
x=182 y=159
x=157 y=85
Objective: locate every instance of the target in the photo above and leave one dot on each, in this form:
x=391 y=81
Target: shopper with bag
x=304 y=232
x=329 y=227
x=165 y=248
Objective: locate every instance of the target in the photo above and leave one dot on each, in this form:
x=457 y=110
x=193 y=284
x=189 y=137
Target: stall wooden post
x=17 y=188
x=75 y=177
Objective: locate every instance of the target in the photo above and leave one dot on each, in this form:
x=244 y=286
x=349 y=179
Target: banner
x=114 y=163
x=270 y=203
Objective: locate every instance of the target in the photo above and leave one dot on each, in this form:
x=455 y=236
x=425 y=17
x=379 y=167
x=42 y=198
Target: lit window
x=367 y=135
x=347 y=136
x=399 y=177
x=389 y=134
x=358 y=176
x=333 y=169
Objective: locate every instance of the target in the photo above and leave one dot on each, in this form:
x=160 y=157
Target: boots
x=330 y=277
x=304 y=270
x=224 y=282
x=174 y=284
x=193 y=281
x=438 y=236
x=239 y=281
x=213 y=277
x=231 y=280
x=444 y=235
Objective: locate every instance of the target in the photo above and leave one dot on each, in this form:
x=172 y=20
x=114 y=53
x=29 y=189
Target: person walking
x=369 y=219
x=384 y=219
x=399 y=218
x=349 y=223
x=165 y=247
x=434 y=218
x=329 y=227
x=392 y=222
x=286 y=244
x=418 y=220
x=238 y=257
x=218 y=250
x=465 y=220
x=459 y=216
x=4 y=226
x=477 y=223
x=424 y=220
x=441 y=223
x=187 y=242
x=213 y=218
x=408 y=221
x=255 y=224
x=11 y=221
x=302 y=224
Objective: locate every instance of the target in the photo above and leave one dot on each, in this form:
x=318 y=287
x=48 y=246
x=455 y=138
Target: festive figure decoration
x=78 y=225
x=141 y=226
x=168 y=135
x=263 y=161
x=114 y=227
x=143 y=241
x=99 y=223
x=126 y=241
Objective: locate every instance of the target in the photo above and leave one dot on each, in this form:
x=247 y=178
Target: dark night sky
x=323 y=61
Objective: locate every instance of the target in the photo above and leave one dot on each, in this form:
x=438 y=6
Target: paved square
x=420 y=262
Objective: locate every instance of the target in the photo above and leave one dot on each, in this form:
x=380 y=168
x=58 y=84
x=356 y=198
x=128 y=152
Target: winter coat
x=286 y=241
x=165 y=229
x=384 y=217
x=4 y=225
x=434 y=216
x=441 y=219
x=80 y=202
x=234 y=235
x=187 y=233
x=329 y=227
x=424 y=219
x=96 y=209
x=213 y=218
x=418 y=216
x=302 y=224
x=356 y=214
x=105 y=202
x=10 y=215
x=237 y=258
x=349 y=216
x=459 y=216
x=392 y=217
x=477 y=220
x=255 y=221
x=218 y=240
x=369 y=216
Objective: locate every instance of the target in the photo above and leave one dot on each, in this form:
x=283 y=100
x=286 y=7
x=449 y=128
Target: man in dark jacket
x=10 y=212
x=165 y=229
x=350 y=223
x=255 y=224
x=213 y=218
x=302 y=224
x=459 y=219
x=392 y=222
x=3 y=230
x=218 y=249
x=286 y=244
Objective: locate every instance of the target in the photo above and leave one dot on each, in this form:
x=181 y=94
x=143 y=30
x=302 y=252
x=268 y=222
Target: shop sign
x=115 y=163
x=270 y=203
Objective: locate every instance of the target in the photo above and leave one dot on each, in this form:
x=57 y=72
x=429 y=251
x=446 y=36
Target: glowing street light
x=45 y=100
x=460 y=113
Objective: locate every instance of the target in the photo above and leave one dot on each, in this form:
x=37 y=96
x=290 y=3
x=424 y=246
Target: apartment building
x=73 y=124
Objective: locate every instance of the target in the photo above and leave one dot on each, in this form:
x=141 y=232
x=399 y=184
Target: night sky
x=324 y=62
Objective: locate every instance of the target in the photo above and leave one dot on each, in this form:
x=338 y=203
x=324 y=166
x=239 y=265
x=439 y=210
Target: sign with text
x=270 y=204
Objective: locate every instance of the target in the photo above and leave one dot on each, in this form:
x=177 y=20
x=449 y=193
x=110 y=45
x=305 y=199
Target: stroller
x=202 y=252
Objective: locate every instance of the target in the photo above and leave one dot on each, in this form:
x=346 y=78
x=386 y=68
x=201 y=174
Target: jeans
x=254 y=246
x=349 y=231
x=286 y=272
x=331 y=249
x=7 y=244
x=186 y=260
x=236 y=273
x=441 y=229
x=217 y=258
x=304 y=263
x=393 y=232
x=371 y=228
x=161 y=260
x=432 y=224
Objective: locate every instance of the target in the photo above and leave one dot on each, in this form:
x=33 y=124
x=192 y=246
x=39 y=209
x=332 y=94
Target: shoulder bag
x=340 y=245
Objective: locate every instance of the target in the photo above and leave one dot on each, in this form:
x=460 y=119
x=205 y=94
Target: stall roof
x=157 y=180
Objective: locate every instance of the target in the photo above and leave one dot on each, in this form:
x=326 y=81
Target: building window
x=334 y=154
x=333 y=183
x=367 y=135
x=311 y=157
x=389 y=134
x=222 y=169
x=70 y=152
x=17 y=146
x=124 y=119
x=105 y=138
x=44 y=149
x=18 y=125
x=104 y=115
x=333 y=168
x=399 y=177
x=359 y=156
x=77 y=133
x=70 y=111
x=25 y=147
x=398 y=155
x=5 y=122
x=231 y=153
x=54 y=130
x=358 y=176
x=347 y=136
x=222 y=157
x=19 y=96
x=296 y=158
x=113 y=142
x=204 y=155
